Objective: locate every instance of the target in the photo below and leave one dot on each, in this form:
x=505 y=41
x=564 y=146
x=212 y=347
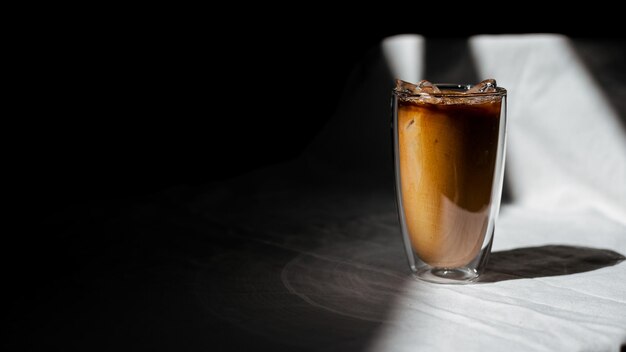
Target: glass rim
x=456 y=88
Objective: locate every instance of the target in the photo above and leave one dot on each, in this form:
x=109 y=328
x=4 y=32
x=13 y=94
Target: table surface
x=304 y=267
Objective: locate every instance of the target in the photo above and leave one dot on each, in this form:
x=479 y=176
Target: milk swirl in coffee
x=447 y=147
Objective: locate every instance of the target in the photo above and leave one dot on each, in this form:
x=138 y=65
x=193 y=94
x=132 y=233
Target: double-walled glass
x=449 y=162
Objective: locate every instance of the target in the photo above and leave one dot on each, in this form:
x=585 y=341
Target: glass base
x=458 y=276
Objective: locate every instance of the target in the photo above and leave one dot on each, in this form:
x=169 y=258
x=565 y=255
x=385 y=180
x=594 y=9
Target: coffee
x=447 y=149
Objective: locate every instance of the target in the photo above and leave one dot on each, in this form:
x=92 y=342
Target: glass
x=449 y=147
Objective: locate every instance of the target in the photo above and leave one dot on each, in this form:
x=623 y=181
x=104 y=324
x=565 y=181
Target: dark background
x=124 y=113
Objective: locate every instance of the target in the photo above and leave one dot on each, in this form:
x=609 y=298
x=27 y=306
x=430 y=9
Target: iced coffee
x=447 y=148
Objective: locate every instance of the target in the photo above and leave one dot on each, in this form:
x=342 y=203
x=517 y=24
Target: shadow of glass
x=553 y=260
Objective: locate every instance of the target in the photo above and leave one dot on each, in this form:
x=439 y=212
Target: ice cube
x=405 y=87
x=486 y=86
x=421 y=87
x=427 y=87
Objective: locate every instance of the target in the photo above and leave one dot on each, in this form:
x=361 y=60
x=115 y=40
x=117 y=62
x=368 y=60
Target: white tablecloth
x=556 y=281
